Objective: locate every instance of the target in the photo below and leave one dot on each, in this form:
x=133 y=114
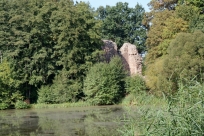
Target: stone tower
x=110 y=49
x=132 y=60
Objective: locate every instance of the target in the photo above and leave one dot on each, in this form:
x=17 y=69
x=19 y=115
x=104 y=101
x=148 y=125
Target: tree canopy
x=165 y=22
x=42 y=39
x=123 y=24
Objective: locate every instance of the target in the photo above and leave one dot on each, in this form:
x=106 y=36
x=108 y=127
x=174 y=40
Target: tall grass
x=182 y=115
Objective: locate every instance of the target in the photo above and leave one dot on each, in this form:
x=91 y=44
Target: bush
x=63 y=90
x=135 y=85
x=3 y=106
x=104 y=83
x=45 y=95
x=135 y=88
x=156 y=80
x=22 y=105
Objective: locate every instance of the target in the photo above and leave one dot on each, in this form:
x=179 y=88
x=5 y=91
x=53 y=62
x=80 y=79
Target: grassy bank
x=144 y=99
x=63 y=105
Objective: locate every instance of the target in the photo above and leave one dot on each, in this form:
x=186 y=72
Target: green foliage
x=196 y=3
x=6 y=76
x=61 y=91
x=165 y=63
x=66 y=90
x=192 y=15
x=42 y=38
x=31 y=56
x=135 y=85
x=21 y=105
x=45 y=95
x=165 y=26
x=16 y=96
x=3 y=106
x=200 y=23
x=162 y=4
x=77 y=39
x=9 y=93
x=104 y=83
x=183 y=61
x=185 y=58
x=154 y=82
x=123 y=24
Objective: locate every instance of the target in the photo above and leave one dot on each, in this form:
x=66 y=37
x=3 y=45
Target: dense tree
x=123 y=24
x=77 y=38
x=193 y=12
x=167 y=19
x=192 y=15
x=164 y=27
x=166 y=22
x=183 y=62
x=30 y=45
x=4 y=29
x=158 y=81
x=9 y=92
x=43 y=39
x=163 y=24
x=185 y=58
x=162 y=4
x=196 y=3
x=199 y=25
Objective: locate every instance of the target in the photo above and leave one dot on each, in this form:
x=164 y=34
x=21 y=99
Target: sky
x=132 y=3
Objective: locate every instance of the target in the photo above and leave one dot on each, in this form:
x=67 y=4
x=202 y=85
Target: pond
x=83 y=121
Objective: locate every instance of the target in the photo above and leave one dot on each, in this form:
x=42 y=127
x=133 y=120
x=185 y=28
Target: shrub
x=3 y=106
x=104 y=83
x=22 y=105
x=65 y=89
x=156 y=80
x=45 y=95
x=62 y=90
x=135 y=85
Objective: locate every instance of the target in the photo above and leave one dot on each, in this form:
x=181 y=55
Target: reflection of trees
x=18 y=122
x=62 y=122
x=103 y=122
x=89 y=122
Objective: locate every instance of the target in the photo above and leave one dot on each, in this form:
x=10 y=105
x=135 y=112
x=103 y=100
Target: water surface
x=83 y=121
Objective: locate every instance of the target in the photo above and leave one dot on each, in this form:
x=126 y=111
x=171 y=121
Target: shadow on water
x=87 y=121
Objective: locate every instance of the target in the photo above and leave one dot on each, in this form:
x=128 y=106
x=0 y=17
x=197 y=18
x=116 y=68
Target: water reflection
x=88 y=121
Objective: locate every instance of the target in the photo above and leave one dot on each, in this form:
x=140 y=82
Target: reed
x=181 y=115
